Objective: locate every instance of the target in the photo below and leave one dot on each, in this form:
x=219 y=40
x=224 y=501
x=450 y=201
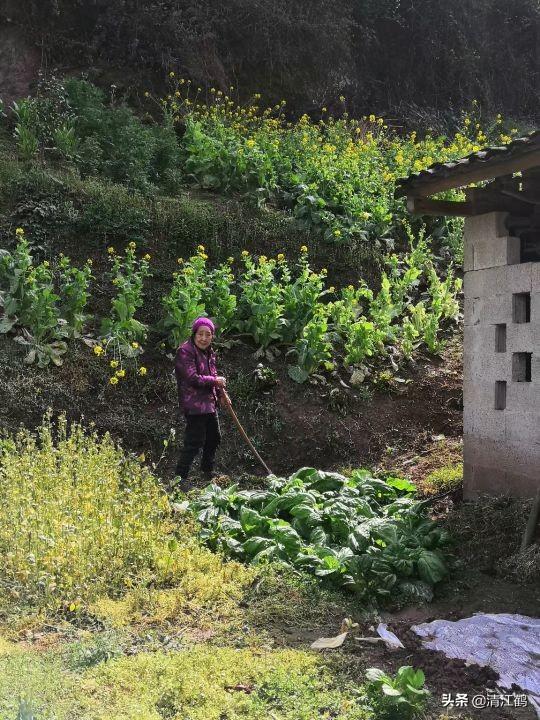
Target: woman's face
x=203 y=337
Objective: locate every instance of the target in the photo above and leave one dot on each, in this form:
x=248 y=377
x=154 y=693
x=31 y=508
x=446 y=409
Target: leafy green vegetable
x=360 y=532
x=402 y=696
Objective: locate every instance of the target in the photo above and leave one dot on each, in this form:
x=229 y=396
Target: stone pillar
x=501 y=362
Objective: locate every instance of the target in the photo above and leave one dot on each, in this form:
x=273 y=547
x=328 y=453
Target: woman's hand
x=221 y=382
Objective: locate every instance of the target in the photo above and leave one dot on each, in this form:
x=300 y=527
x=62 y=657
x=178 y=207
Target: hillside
x=339 y=332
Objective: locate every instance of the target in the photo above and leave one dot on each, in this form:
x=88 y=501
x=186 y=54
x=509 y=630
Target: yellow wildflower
x=171 y=74
x=281 y=257
x=132 y=245
x=89 y=261
x=331 y=289
x=19 y=231
x=350 y=287
x=230 y=260
x=98 y=350
x=113 y=380
x=342 y=98
x=114 y=364
x=111 y=250
x=141 y=457
x=180 y=261
x=372 y=118
x=142 y=371
x=135 y=345
x=120 y=373
x=147 y=94
x=200 y=248
x=303 y=249
x=245 y=253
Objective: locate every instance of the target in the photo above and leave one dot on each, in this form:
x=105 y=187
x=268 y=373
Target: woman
x=199 y=390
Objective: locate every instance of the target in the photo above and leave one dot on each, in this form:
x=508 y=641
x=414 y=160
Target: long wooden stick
x=229 y=407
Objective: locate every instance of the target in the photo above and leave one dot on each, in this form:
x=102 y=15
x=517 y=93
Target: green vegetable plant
x=313 y=349
x=397 y=698
x=302 y=295
x=185 y=301
x=362 y=533
x=121 y=328
x=260 y=306
x=29 y=302
x=74 y=294
x=220 y=301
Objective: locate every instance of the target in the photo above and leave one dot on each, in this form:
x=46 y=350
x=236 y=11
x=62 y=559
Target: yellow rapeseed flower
x=142 y=371
x=113 y=380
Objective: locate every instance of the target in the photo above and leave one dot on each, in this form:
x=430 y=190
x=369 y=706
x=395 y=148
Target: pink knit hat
x=203 y=321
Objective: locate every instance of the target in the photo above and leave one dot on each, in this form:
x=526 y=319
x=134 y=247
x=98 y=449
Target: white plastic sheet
x=510 y=644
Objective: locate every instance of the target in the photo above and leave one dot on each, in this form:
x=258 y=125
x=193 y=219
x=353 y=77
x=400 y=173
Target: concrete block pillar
x=501 y=419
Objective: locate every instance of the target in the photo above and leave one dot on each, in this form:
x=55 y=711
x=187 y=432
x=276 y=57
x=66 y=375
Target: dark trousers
x=202 y=432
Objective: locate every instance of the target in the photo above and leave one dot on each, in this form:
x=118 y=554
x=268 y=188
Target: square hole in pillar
x=521 y=367
x=500 y=394
x=521 y=307
x=500 y=338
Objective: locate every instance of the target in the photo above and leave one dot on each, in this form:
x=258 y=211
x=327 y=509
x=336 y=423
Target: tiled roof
x=483 y=162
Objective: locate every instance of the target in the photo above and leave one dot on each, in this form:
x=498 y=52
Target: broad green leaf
x=431 y=568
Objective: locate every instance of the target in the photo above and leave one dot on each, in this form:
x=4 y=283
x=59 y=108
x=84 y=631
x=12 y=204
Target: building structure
x=501 y=347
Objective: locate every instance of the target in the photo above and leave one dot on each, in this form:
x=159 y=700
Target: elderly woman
x=199 y=391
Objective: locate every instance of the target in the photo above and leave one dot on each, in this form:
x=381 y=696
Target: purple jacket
x=196 y=378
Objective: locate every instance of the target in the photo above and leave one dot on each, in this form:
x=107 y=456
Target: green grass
x=196 y=683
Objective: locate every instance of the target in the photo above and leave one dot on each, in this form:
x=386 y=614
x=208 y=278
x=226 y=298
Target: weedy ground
x=177 y=631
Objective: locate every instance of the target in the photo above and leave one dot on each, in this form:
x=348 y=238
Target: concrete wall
x=501 y=447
